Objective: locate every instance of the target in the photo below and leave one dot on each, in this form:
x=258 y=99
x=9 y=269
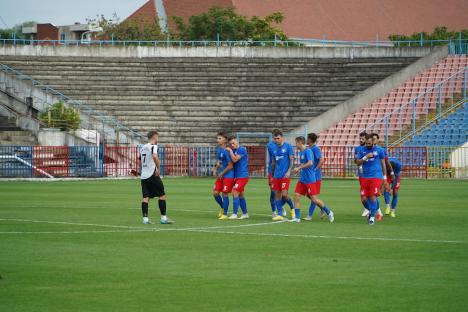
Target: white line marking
x=149 y=229
x=332 y=237
x=74 y=223
x=213 y=230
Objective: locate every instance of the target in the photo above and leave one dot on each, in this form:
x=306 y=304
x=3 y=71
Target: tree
x=61 y=117
x=134 y=29
x=439 y=33
x=7 y=33
x=229 y=25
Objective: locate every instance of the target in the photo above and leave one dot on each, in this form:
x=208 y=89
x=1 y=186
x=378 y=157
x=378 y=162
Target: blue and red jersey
x=396 y=165
x=271 y=147
x=241 y=167
x=357 y=150
x=224 y=158
x=372 y=167
x=307 y=174
x=282 y=156
x=317 y=155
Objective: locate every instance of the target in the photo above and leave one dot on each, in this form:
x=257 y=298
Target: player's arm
x=320 y=163
x=215 y=167
x=228 y=167
x=234 y=158
x=389 y=165
x=303 y=166
x=360 y=161
x=291 y=164
x=273 y=164
x=157 y=162
x=384 y=169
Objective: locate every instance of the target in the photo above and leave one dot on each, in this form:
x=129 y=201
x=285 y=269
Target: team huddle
x=377 y=174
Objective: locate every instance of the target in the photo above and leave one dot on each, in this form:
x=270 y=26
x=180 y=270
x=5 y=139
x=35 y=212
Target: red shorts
x=223 y=185
x=240 y=183
x=371 y=187
x=270 y=180
x=304 y=189
x=397 y=184
x=281 y=184
x=318 y=186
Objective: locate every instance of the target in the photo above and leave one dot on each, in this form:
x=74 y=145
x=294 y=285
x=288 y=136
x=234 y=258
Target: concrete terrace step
x=190 y=99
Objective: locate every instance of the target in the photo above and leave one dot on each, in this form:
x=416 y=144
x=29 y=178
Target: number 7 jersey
x=148 y=167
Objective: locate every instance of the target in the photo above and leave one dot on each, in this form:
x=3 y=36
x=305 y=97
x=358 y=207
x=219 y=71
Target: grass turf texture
x=77 y=267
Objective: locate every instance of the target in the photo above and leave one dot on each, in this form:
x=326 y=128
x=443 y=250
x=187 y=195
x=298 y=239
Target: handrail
x=429 y=122
x=273 y=42
x=411 y=101
x=99 y=116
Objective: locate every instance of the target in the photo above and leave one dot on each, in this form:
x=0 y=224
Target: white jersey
x=148 y=167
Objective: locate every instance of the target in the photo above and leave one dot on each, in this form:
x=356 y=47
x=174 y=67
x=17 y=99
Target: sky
x=62 y=12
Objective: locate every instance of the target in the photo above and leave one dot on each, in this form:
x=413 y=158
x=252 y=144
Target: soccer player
x=374 y=171
x=307 y=184
x=271 y=147
x=318 y=162
x=151 y=184
x=281 y=166
x=224 y=173
x=240 y=159
x=357 y=149
x=394 y=182
x=385 y=186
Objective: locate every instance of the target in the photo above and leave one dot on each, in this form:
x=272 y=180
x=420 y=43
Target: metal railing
x=407 y=118
x=197 y=161
x=429 y=122
x=457 y=46
x=97 y=121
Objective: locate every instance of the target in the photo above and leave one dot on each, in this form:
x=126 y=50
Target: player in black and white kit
x=151 y=184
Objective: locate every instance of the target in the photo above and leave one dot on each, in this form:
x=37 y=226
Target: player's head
x=300 y=143
x=153 y=136
x=362 y=138
x=369 y=142
x=221 y=138
x=278 y=136
x=232 y=141
x=375 y=138
x=312 y=138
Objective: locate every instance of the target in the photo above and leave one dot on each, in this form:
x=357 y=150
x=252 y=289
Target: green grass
x=311 y=266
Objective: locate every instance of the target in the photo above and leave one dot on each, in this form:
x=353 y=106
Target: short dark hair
x=300 y=139
x=152 y=133
x=230 y=138
x=375 y=135
x=313 y=137
x=368 y=136
x=362 y=134
x=223 y=134
x=277 y=132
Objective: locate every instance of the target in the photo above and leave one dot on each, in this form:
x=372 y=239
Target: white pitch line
x=332 y=237
x=213 y=230
x=136 y=229
x=75 y=223
x=73 y=232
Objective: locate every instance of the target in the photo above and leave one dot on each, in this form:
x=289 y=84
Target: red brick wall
x=47 y=32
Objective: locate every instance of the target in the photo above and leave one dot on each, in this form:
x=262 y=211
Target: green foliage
x=229 y=25
x=439 y=33
x=61 y=117
x=134 y=29
x=7 y=33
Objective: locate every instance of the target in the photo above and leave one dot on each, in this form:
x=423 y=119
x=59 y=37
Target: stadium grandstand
x=412 y=96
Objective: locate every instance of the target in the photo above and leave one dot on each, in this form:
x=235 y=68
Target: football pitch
x=80 y=246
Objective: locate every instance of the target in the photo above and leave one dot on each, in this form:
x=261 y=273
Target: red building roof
x=334 y=19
